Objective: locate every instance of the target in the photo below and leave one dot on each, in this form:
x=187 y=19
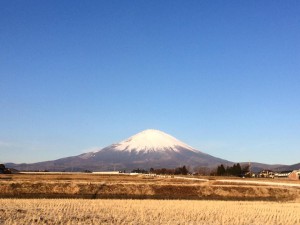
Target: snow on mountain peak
x=151 y=140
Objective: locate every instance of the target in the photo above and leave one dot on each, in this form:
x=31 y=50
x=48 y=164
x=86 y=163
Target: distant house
x=107 y=172
x=295 y=175
x=266 y=174
x=283 y=174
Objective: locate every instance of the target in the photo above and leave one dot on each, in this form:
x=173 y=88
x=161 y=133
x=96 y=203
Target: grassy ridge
x=137 y=187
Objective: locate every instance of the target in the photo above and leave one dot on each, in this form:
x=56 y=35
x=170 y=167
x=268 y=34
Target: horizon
x=223 y=77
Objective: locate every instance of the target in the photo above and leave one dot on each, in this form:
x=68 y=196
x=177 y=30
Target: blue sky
x=222 y=76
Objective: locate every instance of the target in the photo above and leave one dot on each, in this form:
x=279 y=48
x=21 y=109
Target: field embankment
x=137 y=187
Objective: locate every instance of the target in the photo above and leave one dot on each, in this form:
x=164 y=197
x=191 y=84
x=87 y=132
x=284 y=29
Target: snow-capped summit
x=151 y=140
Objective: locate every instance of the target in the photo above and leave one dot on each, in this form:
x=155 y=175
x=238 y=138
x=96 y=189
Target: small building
x=295 y=175
x=107 y=172
x=283 y=174
x=266 y=174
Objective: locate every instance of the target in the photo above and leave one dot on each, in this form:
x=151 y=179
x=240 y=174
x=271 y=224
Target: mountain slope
x=149 y=148
x=287 y=168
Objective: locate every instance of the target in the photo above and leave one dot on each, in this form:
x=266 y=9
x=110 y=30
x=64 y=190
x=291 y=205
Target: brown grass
x=135 y=187
x=71 y=211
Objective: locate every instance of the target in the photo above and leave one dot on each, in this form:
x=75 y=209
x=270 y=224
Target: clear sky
x=222 y=76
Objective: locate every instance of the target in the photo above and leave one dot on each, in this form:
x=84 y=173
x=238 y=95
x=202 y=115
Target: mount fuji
x=149 y=148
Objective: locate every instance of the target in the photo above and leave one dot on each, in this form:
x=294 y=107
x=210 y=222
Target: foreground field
x=79 y=211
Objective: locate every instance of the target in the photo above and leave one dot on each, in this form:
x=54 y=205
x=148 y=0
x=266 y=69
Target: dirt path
x=260 y=183
x=192 y=178
x=243 y=182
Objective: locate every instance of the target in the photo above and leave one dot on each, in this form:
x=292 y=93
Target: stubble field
x=83 y=211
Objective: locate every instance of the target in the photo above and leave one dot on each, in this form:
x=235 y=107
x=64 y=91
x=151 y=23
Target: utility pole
x=250 y=169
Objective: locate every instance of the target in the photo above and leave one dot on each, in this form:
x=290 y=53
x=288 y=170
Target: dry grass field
x=84 y=211
x=141 y=187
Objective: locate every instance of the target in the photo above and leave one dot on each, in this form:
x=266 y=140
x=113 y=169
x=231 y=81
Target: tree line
x=235 y=170
x=221 y=170
x=164 y=171
x=4 y=170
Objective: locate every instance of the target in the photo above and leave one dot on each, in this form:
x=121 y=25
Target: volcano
x=145 y=150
